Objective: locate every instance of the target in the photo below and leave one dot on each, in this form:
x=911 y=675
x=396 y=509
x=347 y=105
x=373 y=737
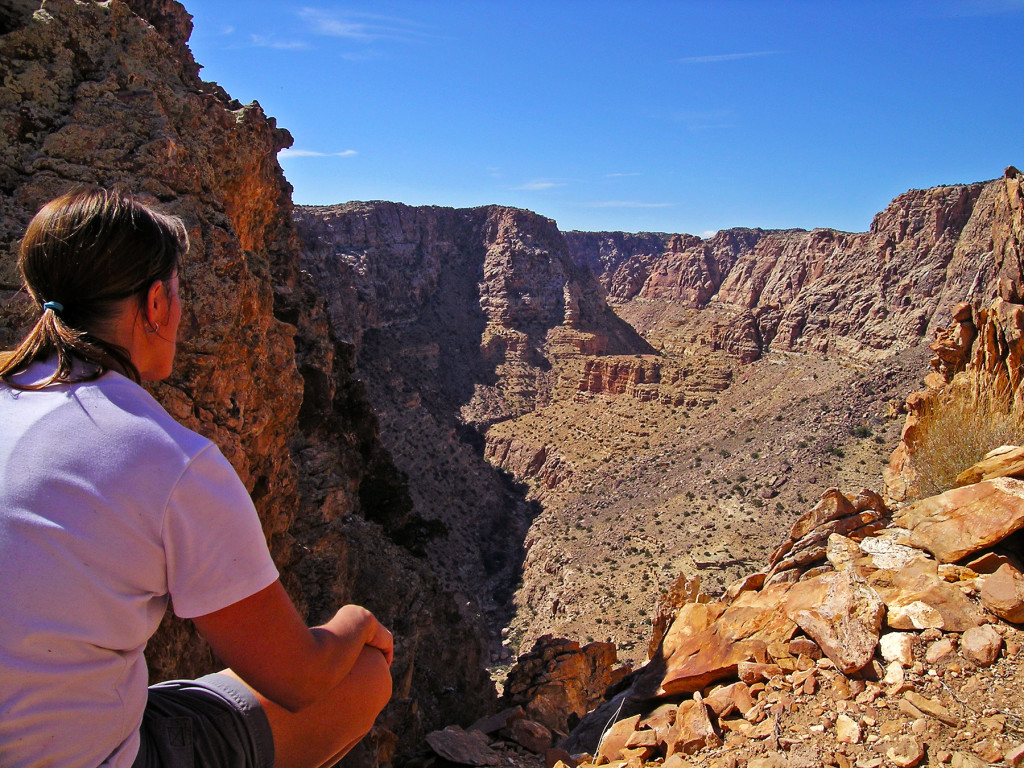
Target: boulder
x=558 y=682
x=693 y=729
x=917 y=598
x=897 y=646
x=981 y=645
x=616 y=738
x=1004 y=461
x=1003 y=593
x=842 y=615
x=963 y=521
x=905 y=752
x=848 y=730
x=529 y=734
x=494 y=723
x=707 y=642
x=463 y=747
x=939 y=650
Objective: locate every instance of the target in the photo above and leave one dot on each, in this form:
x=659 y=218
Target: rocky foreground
x=873 y=638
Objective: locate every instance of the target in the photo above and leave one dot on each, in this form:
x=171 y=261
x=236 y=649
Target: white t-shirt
x=108 y=509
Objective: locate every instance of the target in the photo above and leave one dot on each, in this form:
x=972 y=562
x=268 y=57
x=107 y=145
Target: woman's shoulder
x=130 y=409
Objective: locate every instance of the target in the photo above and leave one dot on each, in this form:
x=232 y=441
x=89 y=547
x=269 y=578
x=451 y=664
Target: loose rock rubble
x=871 y=639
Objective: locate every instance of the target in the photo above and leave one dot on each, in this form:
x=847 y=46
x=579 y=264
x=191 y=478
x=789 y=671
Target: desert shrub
x=958 y=432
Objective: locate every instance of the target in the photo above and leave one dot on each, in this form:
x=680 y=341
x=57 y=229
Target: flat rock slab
x=844 y=617
x=1005 y=461
x=962 y=521
x=463 y=747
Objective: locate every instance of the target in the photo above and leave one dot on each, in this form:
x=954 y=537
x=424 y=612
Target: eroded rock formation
x=972 y=403
x=460 y=317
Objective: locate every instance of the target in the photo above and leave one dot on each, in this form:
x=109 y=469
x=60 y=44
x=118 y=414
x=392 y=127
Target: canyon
x=487 y=430
x=659 y=395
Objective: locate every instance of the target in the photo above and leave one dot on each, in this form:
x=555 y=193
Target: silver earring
x=154 y=329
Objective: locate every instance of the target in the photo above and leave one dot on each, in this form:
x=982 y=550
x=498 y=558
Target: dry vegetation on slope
x=658 y=491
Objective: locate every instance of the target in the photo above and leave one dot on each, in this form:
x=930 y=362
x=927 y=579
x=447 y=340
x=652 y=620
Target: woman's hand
x=356 y=621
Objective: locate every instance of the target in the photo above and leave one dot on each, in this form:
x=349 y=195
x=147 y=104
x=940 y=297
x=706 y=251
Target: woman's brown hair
x=82 y=254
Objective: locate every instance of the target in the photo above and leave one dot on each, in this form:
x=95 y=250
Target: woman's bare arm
x=267 y=644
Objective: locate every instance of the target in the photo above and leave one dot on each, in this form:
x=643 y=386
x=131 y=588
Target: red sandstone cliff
x=973 y=401
x=458 y=316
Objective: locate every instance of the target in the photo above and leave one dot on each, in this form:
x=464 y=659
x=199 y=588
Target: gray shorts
x=214 y=721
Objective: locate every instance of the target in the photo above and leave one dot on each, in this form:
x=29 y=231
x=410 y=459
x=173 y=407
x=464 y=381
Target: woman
x=109 y=508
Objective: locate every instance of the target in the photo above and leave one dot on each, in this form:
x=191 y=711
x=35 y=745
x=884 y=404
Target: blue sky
x=637 y=116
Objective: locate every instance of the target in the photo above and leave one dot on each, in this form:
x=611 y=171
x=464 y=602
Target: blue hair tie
x=56 y=306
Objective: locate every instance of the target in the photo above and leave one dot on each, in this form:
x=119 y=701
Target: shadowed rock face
x=108 y=93
x=460 y=317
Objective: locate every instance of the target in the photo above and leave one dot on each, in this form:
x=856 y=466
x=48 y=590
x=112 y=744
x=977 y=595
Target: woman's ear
x=156 y=308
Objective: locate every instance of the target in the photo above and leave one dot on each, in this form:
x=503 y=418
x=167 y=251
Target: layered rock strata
x=972 y=403
x=459 y=317
x=749 y=291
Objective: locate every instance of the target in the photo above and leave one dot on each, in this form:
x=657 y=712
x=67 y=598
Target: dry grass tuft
x=961 y=428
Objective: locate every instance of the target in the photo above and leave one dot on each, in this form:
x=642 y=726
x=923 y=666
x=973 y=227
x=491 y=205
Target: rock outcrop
x=972 y=403
x=108 y=93
x=487 y=339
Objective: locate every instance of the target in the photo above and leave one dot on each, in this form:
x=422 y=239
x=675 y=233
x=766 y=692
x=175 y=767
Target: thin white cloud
x=311 y=153
x=625 y=204
x=619 y=175
x=268 y=41
x=715 y=59
x=362 y=27
x=708 y=233
x=539 y=184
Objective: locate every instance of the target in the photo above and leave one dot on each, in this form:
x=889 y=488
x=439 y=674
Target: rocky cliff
x=973 y=400
x=459 y=318
x=108 y=93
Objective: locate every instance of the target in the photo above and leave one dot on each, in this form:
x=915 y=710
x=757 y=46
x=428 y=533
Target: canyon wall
x=459 y=318
x=108 y=93
x=973 y=400
x=859 y=296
